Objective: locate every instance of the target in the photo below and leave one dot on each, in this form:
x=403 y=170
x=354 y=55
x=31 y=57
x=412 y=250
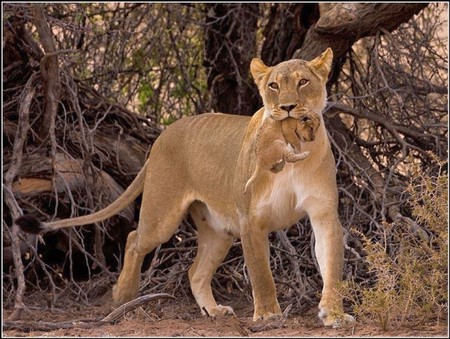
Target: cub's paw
x=294 y=157
x=337 y=320
x=303 y=155
x=219 y=311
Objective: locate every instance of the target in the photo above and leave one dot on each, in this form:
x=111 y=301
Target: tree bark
x=346 y=23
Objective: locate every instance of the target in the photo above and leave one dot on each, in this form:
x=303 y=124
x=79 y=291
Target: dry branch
x=50 y=73
x=11 y=173
x=133 y=304
x=112 y=317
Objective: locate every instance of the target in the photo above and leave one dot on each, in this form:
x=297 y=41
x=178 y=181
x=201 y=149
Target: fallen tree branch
x=131 y=305
x=85 y=323
x=45 y=326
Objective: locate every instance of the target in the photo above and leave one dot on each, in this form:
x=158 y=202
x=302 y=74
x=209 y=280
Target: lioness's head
x=294 y=88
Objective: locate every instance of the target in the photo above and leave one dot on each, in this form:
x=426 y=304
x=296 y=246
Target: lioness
x=278 y=141
x=174 y=182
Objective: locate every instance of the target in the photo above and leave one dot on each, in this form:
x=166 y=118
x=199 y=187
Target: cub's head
x=294 y=88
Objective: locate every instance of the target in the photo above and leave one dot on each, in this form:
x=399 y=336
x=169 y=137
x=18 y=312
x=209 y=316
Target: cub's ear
x=323 y=63
x=258 y=70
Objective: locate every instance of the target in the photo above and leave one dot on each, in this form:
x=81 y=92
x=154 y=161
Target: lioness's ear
x=323 y=63
x=258 y=70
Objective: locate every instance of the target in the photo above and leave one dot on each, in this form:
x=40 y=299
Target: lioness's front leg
x=329 y=249
x=255 y=244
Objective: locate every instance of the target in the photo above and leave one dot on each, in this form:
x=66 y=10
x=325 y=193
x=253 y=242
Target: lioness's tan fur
x=200 y=165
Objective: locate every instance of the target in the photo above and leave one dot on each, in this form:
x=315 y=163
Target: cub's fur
x=278 y=141
x=174 y=182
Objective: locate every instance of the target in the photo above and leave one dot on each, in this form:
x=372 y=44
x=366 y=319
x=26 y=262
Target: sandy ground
x=181 y=318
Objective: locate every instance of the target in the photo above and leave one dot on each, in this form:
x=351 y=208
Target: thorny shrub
x=410 y=265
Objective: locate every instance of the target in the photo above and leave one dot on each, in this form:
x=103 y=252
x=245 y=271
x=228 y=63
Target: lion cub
x=272 y=148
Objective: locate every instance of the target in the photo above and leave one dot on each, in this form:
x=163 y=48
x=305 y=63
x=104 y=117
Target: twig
x=281 y=235
x=21 y=134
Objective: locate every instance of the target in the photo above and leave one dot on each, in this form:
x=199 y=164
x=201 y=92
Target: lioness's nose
x=288 y=108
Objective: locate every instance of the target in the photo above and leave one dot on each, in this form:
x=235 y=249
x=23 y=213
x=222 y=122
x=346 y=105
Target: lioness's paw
x=336 y=321
x=269 y=316
x=120 y=297
x=220 y=311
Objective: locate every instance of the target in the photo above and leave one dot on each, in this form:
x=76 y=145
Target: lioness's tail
x=31 y=224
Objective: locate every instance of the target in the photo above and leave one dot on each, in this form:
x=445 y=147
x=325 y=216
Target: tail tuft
x=30 y=224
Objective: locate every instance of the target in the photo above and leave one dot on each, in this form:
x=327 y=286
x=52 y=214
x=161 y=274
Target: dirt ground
x=181 y=318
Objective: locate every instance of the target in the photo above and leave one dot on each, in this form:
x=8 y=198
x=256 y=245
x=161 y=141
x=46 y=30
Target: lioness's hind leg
x=128 y=284
x=160 y=217
x=212 y=250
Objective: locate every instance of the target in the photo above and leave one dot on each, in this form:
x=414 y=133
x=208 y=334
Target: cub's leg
x=279 y=151
x=161 y=213
x=255 y=244
x=269 y=158
x=212 y=250
x=272 y=155
x=291 y=156
x=329 y=249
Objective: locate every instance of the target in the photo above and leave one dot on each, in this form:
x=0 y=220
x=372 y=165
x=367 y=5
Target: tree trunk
x=345 y=23
x=286 y=30
x=230 y=45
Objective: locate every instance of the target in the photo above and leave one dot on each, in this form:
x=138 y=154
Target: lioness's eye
x=273 y=85
x=303 y=82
